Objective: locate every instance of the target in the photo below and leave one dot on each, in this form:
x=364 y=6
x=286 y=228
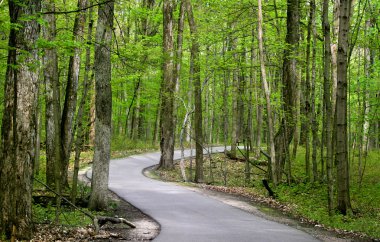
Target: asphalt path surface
x=185 y=215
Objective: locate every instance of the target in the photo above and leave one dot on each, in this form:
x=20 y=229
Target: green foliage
x=68 y=216
x=122 y=146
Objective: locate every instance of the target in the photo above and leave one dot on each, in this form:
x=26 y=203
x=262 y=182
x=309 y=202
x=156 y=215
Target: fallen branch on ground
x=97 y=221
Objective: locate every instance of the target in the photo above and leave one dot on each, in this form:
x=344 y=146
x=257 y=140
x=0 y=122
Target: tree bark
x=52 y=98
x=235 y=93
x=197 y=94
x=313 y=116
x=341 y=153
x=19 y=122
x=79 y=123
x=168 y=89
x=103 y=104
x=287 y=127
x=327 y=106
x=69 y=108
x=272 y=168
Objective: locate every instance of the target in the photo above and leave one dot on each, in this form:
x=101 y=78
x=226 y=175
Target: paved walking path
x=185 y=215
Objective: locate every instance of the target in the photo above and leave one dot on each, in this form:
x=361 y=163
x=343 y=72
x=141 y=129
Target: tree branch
x=78 y=10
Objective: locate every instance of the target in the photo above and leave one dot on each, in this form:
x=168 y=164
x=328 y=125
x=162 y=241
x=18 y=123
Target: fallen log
x=99 y=221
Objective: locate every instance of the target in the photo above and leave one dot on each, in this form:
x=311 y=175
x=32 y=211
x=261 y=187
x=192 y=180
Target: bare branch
x=78 y=10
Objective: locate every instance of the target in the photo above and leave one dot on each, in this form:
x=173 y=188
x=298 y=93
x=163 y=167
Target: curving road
x=185 y=215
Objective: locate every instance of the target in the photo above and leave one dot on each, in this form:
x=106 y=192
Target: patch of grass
x=67 y=217
x=123 y=147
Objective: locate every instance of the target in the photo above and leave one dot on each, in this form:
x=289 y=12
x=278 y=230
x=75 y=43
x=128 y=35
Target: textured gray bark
x=168 y=89
x=341 y=152
x=19 y=122
x=69 y=108
x=197 y=94
x=52 y=98
x=103 y=104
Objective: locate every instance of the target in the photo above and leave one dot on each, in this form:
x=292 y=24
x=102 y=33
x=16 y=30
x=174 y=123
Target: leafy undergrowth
x=122 y=147
x=302 y=200
x=73 y=225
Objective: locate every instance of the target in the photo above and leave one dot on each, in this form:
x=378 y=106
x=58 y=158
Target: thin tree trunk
x=36 y=165
x=103 y=99
x=272 y=168
x=69 y=108
x=225 y=101
x=313 y=118
x=235 y=93
x=368 y=69
x=307 y=107
x=80 y=130
x=327 y=105
x=181 y=138
x=341 y=152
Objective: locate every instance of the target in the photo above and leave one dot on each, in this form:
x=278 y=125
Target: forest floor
x=146 y=227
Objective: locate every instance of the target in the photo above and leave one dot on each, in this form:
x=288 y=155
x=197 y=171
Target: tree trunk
x=197 y=94
x=313 y=116
x=103 y=104
x=327 y=106
x=341 y=153
x=19 y=122
x=70 y=104
x=53 y=108
x=79 y=123
x=272 y=168
x=287 y=127
x=307 y=104
x=168 y=88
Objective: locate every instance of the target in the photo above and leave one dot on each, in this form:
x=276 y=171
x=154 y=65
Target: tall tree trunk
x=70 y=104
x=341 y=153
x=307 y=104
x=103 y=104
x=168 y=88
x=79 y=123
x=285 y=133
x=327 y=106
x=197 y=94
x=19 y=121
x=313 y=115
x=364 y=141
x=225 y=97
x=53 y=107
x=235 y=93
x=272 y=168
